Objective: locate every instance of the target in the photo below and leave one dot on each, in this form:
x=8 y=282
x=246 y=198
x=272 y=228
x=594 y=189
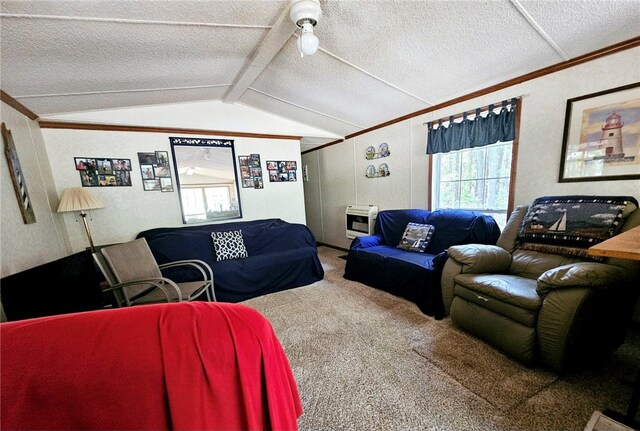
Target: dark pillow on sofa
x=229 y=245
x=416 y=237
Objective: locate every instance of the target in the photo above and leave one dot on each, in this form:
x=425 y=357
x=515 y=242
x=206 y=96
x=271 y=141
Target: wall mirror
x=206 y=179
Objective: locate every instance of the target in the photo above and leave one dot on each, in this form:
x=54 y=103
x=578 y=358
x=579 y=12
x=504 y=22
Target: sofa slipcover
x=376 y=261
x=281 y=256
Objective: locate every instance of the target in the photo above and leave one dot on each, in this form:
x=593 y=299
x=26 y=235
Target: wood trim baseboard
x=46 y=124
x=17 y=105
x=346 y=250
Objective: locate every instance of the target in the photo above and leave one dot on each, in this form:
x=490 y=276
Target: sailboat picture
x=561 y=224
x=572 y=219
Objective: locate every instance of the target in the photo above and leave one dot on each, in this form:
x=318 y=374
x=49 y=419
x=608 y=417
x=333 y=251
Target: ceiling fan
x=305 y=14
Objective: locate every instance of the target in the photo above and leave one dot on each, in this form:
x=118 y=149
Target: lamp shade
x=78 y=199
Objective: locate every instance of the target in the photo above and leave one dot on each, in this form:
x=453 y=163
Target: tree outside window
x=474 y=179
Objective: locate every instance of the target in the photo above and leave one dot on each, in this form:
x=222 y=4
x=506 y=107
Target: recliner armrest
x=480 y=258
x=582 y=274
x=366 y=241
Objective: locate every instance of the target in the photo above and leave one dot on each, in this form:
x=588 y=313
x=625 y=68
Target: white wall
x=340 y=180
x=207 y=115
x=130 y=210
x=23 y=246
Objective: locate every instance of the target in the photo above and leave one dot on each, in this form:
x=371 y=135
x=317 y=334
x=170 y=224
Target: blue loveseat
x=375 y=261
x=281 y=256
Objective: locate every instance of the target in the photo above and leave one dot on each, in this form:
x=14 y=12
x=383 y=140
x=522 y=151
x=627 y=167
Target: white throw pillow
x=229 y=245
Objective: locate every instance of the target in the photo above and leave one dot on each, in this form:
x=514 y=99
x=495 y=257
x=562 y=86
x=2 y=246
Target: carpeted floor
x=364 y=359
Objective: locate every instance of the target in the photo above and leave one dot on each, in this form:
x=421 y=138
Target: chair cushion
x=509 y=295
x=416 y=237
x=229 y=245
x=532 y=264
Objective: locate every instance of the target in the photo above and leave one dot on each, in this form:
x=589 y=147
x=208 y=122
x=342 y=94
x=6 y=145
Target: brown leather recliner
x=540 y=307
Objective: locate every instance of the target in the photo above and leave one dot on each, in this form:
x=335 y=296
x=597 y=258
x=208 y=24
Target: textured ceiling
x=378 y=60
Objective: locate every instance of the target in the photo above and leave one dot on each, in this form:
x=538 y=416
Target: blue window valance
x=476 y=132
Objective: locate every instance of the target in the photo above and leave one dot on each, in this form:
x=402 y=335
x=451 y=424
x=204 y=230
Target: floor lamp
x=80 y=199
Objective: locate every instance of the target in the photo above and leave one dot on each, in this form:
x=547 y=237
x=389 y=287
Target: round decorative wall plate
x=383 y=150
x=371 y=171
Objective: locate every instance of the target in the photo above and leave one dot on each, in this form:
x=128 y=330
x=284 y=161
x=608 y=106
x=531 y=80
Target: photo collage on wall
x=96 y=172
x=155 y=170
x=281 y=171
x=251 y=171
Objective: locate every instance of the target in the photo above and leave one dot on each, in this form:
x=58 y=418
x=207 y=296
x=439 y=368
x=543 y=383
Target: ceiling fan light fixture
x=308 y=42
x=305 y=14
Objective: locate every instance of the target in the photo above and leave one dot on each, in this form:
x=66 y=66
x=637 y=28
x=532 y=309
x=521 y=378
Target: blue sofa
x=281 y=256
x=375 y=261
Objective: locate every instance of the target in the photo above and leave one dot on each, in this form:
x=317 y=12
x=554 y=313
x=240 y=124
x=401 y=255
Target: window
x=475 y=179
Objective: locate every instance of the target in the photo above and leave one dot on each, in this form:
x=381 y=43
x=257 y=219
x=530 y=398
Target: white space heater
x=360 y=220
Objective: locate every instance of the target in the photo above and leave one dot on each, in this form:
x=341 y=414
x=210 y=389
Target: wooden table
x=623 y=246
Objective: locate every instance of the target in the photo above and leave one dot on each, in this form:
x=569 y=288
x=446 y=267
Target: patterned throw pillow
x=416 y=237
x=229 y=245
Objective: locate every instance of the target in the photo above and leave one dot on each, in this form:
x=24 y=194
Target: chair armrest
x=480 y=258
x=469 y=258
x=582 y=274
x=366 y=241
x=155 y=283
x=200 y=265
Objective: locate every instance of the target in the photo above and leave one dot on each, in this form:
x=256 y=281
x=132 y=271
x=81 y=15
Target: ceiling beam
x=537 y=27
x=270 y=46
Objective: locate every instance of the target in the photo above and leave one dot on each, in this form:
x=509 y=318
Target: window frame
x=512 y=173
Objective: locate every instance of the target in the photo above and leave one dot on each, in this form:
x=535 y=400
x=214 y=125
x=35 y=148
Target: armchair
x=135 y=278
x=559 y=310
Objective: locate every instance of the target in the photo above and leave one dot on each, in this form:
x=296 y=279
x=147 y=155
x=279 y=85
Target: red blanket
x=172 y=366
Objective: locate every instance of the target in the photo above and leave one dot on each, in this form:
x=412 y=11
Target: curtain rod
x=482 y=109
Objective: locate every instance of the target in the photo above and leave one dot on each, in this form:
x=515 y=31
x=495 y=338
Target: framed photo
x=151 y=185
x=147 y=158
x=123 y=178
x=105 y=167
x=245 y=172
x=166 y=184
x=121 y=164
x=161 y=171
x=89 y=179
x=243 y=160
x=147 y=172
x=162 y=158
x=85 y=164
x=601 y=139
x=15 y=171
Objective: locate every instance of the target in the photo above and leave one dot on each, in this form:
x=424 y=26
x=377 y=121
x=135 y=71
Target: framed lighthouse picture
x=602 y=136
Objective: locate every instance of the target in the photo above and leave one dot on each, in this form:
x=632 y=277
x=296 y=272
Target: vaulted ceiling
x=378 y=59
